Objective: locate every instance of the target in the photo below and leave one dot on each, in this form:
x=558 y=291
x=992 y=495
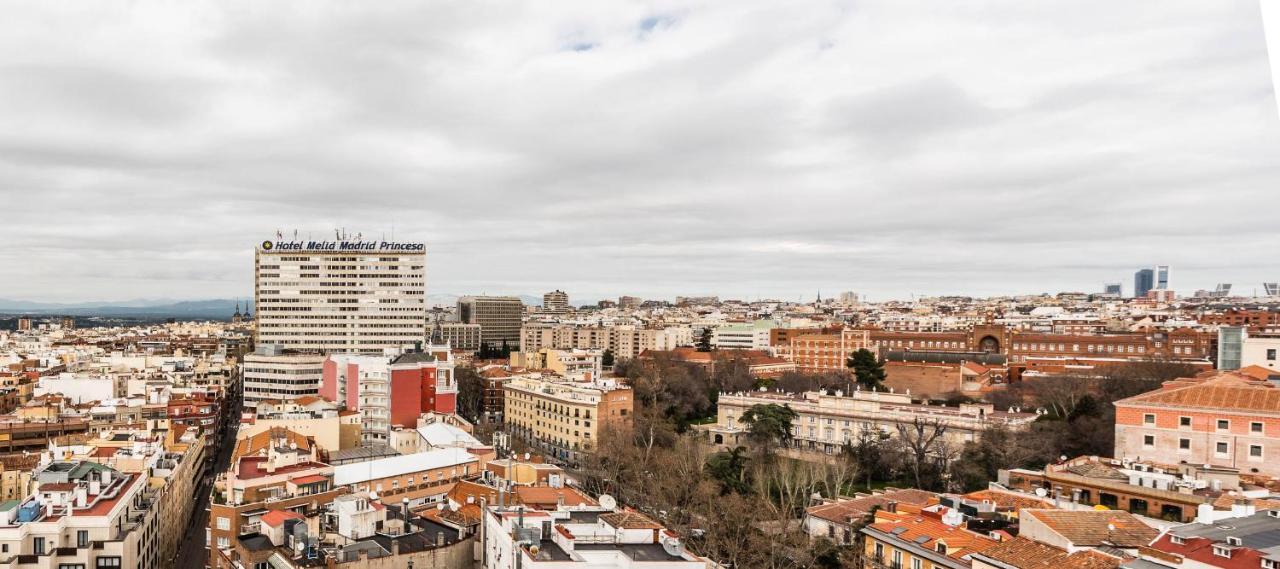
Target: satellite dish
x=440 y=507
x=1041 y=492
x=373 y=495
x=607 y=502
x=453 y=507
x=673 y=546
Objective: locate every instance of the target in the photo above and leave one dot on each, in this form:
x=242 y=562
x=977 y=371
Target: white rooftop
x=358 y=472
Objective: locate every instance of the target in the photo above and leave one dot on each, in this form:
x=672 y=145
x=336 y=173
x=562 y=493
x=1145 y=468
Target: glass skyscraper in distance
x=1143 y=281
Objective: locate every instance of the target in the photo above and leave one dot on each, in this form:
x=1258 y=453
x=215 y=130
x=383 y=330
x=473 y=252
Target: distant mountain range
x=212 y=309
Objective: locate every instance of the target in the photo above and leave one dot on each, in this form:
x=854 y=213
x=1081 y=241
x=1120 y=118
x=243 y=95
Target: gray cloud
x=657 y=148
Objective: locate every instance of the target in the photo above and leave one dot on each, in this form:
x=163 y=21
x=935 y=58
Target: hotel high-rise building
x=343 y=296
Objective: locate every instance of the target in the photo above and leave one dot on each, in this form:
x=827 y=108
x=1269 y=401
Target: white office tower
x=342 y=296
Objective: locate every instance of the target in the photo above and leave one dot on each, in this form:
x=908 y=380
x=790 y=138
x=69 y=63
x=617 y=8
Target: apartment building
x=270 y=374
x=625 y=342
x=1222 y=419
x=273 y=471
x=918 y=538
x=587 y=535
x=564 y=420
x=85 y=514
x=313 y=417
x=390 y=391
x=555 y=302
x=826 y=422
x=1250 y=540
x=573 y=365
x=459 y=336
x=752 y=336
x=499 y=318
x=815 y=353
x=419 y=477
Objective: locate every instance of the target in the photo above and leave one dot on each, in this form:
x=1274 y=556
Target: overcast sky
x=743 y=148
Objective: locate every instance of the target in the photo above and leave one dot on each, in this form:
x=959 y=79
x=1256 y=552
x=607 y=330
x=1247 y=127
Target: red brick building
x=1223 y=419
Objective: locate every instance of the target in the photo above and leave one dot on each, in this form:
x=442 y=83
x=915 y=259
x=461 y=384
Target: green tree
x=872 y=454
x=606 y=359
x=769 y=424
x=729 y=468
x=704 y=341
x=867 y=369
x=470 y=393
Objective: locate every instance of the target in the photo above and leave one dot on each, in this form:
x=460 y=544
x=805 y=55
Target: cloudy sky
x=744 y=148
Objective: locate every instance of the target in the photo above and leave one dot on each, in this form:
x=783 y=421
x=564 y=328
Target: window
x=1255 y=427
x=1224 y=425
x=1184 y=444
x=1271 y=354
x=1148 y=441
x=897 y=560
x=224 y=523
x=1149 y=418
x=1184 y=421
x=1176 y=540
x=916 y=564
x=223 y=543
x=1222 y=448
x=1222 y=551
x=37 y=545
x=82 y=538
x=942 y=548
x=107 y=562
x=71 y=566
x=1232 y=540
x=879 y=551
x=1255 y=451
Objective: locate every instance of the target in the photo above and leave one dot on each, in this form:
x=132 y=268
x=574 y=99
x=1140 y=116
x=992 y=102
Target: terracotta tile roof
x=840 y=512
x=929 y=532
x=547 y=496
x=1225 y=391
x=629 y=520
x=276 y=517
x=1258 y=372
x=261 y=441
x=1093 y=527
x=1095 y=469
x=1024 y=553
x=306 y=400
x=1007 y=500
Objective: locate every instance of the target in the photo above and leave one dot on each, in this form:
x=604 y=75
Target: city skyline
x=745 y=150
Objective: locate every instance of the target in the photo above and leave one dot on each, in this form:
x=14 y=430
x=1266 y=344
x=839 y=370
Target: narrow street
x=192 y=554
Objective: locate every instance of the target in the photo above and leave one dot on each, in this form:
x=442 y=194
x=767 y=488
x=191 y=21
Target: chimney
x=1243 y=507
x=891 y=507
x=560 y=501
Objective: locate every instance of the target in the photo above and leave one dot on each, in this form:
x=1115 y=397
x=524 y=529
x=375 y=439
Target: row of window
x=1255 y=427
x=1221 y=448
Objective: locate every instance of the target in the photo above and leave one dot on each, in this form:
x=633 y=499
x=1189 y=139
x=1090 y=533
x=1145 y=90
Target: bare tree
x=923 y=440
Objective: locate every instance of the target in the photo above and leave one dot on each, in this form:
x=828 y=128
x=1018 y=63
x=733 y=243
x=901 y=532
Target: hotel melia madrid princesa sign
x=341 y=246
